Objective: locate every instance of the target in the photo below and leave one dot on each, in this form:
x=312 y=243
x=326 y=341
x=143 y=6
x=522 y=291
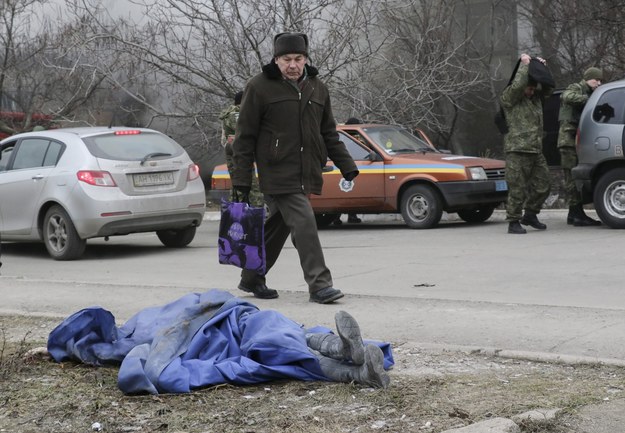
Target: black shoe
x=530 y=219
x=337 y=221
x=585 y=221
x=353 y=219
x=260 y=291
x=326 y=296
x=515 y=228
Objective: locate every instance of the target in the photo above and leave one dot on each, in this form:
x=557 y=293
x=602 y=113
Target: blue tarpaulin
x=198 y=340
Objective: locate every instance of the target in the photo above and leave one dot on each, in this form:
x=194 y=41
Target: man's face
x=291 y=65
x=593 y=83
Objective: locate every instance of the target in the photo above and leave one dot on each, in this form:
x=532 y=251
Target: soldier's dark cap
x=238 y=97
x=593 y=73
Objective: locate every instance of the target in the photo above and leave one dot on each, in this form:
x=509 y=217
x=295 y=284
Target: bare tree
x=16 y=50
x=423 y=71
x=399 y=61
x=47 y=67
x=576 y=34
x=197 y=55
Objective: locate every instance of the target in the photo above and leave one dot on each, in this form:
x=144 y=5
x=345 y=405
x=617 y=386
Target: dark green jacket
x=524 y=115
x=289 y=133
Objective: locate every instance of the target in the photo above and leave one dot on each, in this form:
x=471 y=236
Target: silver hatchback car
x=64 y=186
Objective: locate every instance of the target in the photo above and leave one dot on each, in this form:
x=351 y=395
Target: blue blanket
x=198 y=340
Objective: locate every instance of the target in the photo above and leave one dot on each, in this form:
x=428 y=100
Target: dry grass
x=38 y=395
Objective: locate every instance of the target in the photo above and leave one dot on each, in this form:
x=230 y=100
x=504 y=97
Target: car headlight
x=477 y=173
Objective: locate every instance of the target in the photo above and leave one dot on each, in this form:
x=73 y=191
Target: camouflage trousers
x=568 y=158
x=528 y=181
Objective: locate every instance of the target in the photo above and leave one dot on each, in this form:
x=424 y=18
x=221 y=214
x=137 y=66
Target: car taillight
x=194 y=172
x=96 y=178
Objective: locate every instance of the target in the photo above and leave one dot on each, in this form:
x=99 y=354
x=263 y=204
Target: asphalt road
x=555 y=293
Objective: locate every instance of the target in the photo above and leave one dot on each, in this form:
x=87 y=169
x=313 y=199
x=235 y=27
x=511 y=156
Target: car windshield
x=132 y=147
x=396 y=140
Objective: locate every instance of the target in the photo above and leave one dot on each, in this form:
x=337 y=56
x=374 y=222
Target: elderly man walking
x=287 y=128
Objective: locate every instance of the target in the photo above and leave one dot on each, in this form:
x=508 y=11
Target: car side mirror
x=373 y=157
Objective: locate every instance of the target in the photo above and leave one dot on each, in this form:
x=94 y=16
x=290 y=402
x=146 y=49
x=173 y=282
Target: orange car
x=400 y=173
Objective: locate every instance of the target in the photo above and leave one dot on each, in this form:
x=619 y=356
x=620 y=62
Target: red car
x=401 y=173
x=15 y=118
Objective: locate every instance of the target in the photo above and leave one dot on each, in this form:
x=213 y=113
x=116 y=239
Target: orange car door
x=364 y=192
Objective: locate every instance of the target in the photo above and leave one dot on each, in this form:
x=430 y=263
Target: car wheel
x=176 y=238
x=478 y=215
x=609 y=198
x=60 y=235
x=325 y=219
x=421 y=207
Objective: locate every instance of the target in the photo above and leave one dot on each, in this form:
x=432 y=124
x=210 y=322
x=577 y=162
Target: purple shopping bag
x=242 y=236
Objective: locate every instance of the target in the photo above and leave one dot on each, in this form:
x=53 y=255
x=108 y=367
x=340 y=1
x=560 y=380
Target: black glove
x=351 y=175
x=241 y=194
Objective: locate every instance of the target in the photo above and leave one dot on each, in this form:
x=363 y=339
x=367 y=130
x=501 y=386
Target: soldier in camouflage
x=572 y=102
x=527 y=173
x=229 y=117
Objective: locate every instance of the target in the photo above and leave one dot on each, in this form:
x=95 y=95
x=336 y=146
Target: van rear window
x=610 y=108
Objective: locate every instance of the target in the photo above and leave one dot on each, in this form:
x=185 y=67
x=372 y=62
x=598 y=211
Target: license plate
x=501 y=185
x=153 y=179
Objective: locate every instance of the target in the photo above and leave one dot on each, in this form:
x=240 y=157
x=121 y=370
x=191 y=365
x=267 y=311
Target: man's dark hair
x=237 y=98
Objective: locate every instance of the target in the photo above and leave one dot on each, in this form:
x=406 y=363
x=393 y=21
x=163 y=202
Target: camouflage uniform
x=229 y=117
x=527 y=173
x=572 y=103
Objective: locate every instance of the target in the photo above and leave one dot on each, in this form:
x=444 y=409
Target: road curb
x=546 y=357
x=498 y=215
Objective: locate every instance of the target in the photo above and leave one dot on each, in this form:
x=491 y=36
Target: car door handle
x=37 y=177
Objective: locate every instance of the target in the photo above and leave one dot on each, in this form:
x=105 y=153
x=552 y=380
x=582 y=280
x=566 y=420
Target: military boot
x=347 y=346
x=572 y=215
x=578 y=217
x=514 y=227
x=370 y=373
x=530 y=219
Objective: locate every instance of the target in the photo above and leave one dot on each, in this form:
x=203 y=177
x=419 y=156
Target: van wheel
x=176 y=238
x=609 y=198
x=60 y=236
x=478 y=215
x=421 y=207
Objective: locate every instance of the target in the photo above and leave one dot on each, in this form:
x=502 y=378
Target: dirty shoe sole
x=375 y=375
x=349 y=331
